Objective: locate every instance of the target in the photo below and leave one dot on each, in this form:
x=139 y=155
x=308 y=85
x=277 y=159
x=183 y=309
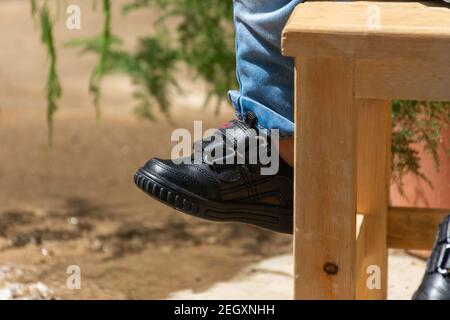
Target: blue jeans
x=265 y=77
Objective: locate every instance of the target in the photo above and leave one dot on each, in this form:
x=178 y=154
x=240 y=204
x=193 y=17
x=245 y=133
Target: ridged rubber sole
x=275 y=219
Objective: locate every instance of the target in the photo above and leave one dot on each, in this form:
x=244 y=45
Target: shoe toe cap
x=189 y=177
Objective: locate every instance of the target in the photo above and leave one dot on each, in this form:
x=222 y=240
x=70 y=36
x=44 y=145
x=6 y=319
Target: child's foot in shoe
x=218 y=191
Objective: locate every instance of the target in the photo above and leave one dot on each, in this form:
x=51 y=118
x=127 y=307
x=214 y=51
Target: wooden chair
x=351 y=59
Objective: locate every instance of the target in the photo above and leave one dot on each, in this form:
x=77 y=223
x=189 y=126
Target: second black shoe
x=224 y=192
x=436 y=282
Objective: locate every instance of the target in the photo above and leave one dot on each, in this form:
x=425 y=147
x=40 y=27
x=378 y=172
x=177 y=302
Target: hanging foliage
x=53 y=87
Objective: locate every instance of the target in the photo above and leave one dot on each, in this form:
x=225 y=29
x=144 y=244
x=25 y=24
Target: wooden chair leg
x=374 y=137
x=325 y=179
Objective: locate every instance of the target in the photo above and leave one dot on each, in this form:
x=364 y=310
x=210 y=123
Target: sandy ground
x=272 y=279
x=75 y=203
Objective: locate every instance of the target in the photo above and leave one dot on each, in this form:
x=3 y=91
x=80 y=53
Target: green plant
x=199 y=34
x=152 y=67
x=53 y=86
x=103 y=50
x=416 y=123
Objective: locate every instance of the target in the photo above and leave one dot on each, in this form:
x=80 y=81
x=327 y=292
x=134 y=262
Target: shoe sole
x=271 y=218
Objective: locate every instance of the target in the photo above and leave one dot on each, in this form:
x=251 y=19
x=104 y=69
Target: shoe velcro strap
x=440 y=257
x=444 y=231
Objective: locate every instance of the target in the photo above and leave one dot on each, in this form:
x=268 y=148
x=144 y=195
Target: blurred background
x=68 y=198
x=75 y=203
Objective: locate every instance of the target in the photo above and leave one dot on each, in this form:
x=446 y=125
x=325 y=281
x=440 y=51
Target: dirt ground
x=75 y=203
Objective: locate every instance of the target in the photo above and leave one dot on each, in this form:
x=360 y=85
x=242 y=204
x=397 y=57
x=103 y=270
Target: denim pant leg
x=266 y=78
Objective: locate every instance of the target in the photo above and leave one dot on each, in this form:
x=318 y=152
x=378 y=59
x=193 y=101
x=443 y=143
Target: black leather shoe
x=436 y=282
x=224 y=192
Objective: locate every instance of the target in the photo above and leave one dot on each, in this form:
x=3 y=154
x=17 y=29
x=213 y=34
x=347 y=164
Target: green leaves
x=202 y=38
x=416 y=124
x=201 y=35
x=206 y=42
x=152 y=68
x=100 y=68
x=53 y=86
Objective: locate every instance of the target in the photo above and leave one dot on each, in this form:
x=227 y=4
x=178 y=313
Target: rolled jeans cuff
x=267 y=118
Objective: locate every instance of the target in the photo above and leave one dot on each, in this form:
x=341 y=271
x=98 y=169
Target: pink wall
x=418 y=193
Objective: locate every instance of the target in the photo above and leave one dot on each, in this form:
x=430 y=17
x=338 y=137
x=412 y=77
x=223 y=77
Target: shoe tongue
x=234 y=131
